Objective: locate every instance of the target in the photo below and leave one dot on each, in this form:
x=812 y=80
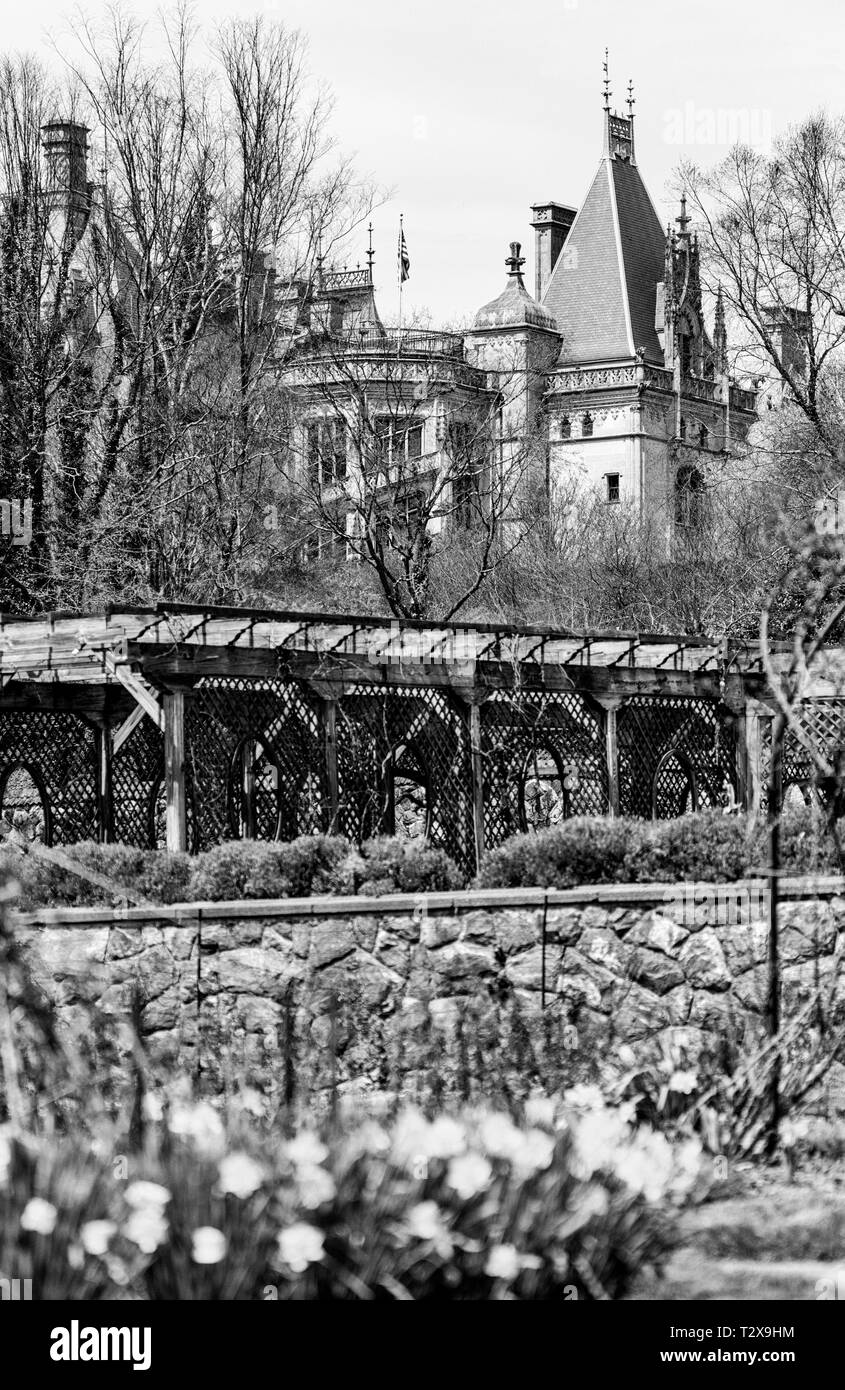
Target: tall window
x=325 y=449
x=703 y=437
x=689 y=496
x=383 y=428
x=398 y=440
x=334 y=452
x=458 y=443
x=399 y=519
x=465 y=499
x=566 y=428
x=466 y=451
x=612 y=487
x=312 y=450
x=587 y=426
x=408 y=440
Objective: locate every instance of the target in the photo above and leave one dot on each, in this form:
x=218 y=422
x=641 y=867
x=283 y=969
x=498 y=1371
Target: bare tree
x=772 y=230
x=139 y=393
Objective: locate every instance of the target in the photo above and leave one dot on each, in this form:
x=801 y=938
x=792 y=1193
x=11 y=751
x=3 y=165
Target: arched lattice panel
x=517 y=731
x=648 y=727
x=674 y=789
x=385 y=732
x=137 y=783
x=60 y=750
x=284 y=719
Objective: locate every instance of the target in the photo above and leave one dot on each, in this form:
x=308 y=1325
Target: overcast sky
x=469 y=112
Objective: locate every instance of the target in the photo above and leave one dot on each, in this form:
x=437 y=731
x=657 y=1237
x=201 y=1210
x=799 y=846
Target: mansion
x=606 y=380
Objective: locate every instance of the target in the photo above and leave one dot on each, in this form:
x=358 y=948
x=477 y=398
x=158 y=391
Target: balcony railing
x=346 y=279
x=575 y=380
x=409 y=342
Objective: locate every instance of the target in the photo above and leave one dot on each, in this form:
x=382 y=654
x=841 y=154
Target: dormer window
x=587 y=426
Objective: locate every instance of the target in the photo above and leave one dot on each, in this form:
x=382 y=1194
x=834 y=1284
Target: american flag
x=404 y=259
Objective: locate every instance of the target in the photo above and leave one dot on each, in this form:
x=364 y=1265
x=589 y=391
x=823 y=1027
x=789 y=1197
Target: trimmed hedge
x=391 y=865
x=707 y=846
x=255 y=869
x=151 y=875
x=310 y=865
x=568 y=854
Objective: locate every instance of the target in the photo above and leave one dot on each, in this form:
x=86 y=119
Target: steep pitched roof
x=603 y=289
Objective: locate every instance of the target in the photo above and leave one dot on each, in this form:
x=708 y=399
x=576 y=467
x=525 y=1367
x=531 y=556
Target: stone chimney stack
x=65 y=145
x=551 y=223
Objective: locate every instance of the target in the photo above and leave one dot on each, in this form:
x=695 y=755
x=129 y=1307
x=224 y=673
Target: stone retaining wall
x=613 y=965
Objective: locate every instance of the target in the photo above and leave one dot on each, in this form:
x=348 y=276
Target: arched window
x=703 y=437
x=587 y=426
x=544 y=799
x=254 y=804
x=566 y=428
x=408 y=809
x=24 y=808
x=689 y=496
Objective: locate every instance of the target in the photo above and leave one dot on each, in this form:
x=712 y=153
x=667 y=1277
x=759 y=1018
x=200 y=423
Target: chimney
x=789 y=330
x=552 y=223
x=65 y=145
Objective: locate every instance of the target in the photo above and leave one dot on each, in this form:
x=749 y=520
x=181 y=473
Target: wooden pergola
x=225 y=722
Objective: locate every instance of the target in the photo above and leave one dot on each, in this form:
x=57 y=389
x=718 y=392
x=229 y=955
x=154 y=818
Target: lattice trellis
x=137 y=787
x=675 y=753
x=60 y=751
x=824 y=721
x=225 y=720
x=405 y=734
x=516 y=730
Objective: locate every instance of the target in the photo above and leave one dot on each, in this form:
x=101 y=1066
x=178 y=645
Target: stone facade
x=614 y=965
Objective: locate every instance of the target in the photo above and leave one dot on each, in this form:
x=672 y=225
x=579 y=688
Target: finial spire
x=683 y=220
x=371 y=255
x=631 y=98
x=606 y=93
x=514 y=261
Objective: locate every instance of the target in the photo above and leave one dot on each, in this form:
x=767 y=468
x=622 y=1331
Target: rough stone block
x=462 y=962
x=703 y=961
x=439 y=930
x=563 y=924
x=525 y=970
x=655 y=971
x=605 y=949
x=658 y=932
x=331 y=940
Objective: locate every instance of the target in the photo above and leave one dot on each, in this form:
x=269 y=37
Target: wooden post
x=612 y=754
x=105 y=809
x=477 y=781
x=174 y=770
x=332 y=780
x=753 y=747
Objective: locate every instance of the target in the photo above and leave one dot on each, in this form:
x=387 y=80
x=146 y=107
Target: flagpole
x=399 y=269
